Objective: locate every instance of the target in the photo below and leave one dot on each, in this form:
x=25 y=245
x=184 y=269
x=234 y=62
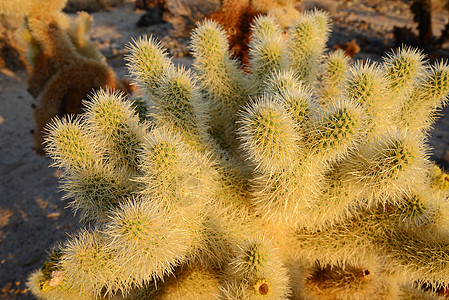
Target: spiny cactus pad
x=300 y=176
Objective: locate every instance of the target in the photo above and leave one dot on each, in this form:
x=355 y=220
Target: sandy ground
x=32 y=216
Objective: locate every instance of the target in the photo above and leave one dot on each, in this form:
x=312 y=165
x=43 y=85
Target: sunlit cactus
x=256 y=273
x=439 y=180
x=299 y=100
x=341 y=126
x=419 y=110
x=335 y=67
x=117 y=127
x=268 y=135
x=299 y=176
x=69 y=146
x=307 y=42
x=267 y=49
x=403 y=68
x=147 y=63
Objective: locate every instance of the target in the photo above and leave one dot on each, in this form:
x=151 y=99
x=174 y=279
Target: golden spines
x=308 y=37
x=110 y=116
x=147 y=63
x=268 y=135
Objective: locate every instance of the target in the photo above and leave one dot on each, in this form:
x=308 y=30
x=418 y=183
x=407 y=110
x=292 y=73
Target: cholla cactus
x=265 y=184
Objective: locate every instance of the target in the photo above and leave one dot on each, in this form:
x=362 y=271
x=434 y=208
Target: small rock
x=53 y=215
x=6 y=288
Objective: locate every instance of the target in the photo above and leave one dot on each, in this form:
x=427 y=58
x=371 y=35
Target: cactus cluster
x=301 y=176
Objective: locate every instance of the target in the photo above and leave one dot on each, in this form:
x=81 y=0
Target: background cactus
x=64 y=65
x=236 y=17
x=283 y=186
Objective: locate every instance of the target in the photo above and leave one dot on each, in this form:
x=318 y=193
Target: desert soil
x=33 y=218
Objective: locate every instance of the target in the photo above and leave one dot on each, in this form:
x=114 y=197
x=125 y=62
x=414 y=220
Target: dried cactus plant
x=306 y=177
x=236 y=17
